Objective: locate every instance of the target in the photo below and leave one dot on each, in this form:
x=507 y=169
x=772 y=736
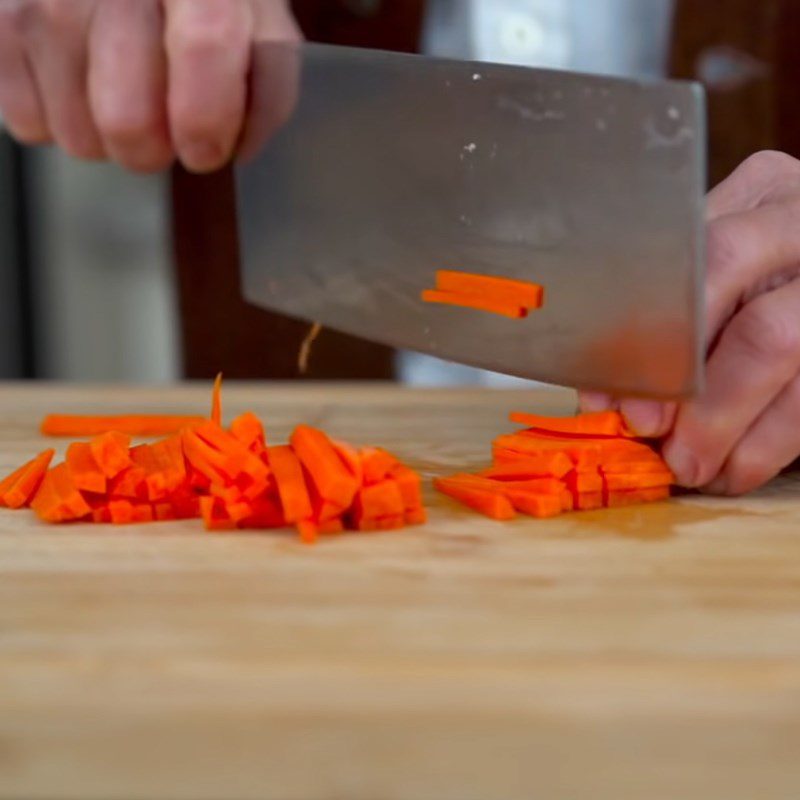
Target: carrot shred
x=476 y=302
x=216 y=400
x=132 y=424
x=304 y=356
x=504 y=290
x=18 y=492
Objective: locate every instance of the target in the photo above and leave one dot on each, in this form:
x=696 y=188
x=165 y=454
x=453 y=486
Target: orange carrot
x=85 y=471
x=247 y=428
x=26 y=481
x=477 y=302
x=9 y=481
x=132 y=424
x=545 y=465
x=504 y=290
x=291 y=483
x=111 y=452
x=331 y=478
x=653 y=494
x=352 y=459
x=410 y=485
x=490 y=503
x=120 y=511
x=603 y=423
x=58 y=498
x=376 y=464
x=644 y=480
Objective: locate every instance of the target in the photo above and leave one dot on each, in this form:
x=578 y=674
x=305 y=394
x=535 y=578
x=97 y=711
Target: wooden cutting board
x=649 y=653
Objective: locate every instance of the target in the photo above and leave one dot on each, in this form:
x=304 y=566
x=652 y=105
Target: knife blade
x=387 y=167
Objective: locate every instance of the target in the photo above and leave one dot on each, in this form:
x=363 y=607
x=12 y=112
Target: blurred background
x=107 y=276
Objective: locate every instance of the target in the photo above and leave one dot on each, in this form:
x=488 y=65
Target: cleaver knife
x=368 y=171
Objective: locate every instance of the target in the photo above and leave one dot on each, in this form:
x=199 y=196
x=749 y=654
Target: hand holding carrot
x=139 y=82
x=745 y=427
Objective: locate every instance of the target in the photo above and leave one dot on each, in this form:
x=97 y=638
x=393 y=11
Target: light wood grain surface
x=642 y=653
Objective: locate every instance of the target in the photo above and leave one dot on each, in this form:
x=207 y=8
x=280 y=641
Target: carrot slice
x=291 y=483
x=132 y=424
x=410 y=485
x=247 y=428
x=477 y=302
x=379 y=500
x=490 y=503
x=26 y=481
x=546 y=465
x=216 y=400
x=602 y=423
x=84 y=469
x=111 y=452
x=377 y=464
x=58 y=498
x=504 y=290
x=10 y=480
x=331 y=478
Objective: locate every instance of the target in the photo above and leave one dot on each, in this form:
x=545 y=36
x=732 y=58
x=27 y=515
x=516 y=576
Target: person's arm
x=140 y=82
x=745 y=428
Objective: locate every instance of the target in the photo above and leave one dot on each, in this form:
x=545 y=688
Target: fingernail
x=201 y=155
x=683 y=463
x=644 y=417
x=718 y=486
x=591 y=402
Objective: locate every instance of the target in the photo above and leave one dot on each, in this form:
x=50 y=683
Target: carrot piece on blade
x=504 y=290
x=475 y=302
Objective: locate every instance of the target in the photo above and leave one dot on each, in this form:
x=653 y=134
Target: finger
x=755 y=180
x=648 y=418
x=127 y=83
x=745 y=249
x=208 y=48
x=770 y=446
x=274 y=79
x=58 y=57
x=22 y=108
x=590 y=402
x=758 y=355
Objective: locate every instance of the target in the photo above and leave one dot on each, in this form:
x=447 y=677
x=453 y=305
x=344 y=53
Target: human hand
x=745 y=428
x=140 y=82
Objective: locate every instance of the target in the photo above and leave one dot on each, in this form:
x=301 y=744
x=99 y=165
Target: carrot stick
x=654 y=494
x=58 y=499
x=546 y=465
x=247 y=428
x=504 y=290
x=331 y=478
x=602 y=423
x=477 y=302
x=637 y=481
x=27 y=481
x=291 y=483
x=490 y=503
x=376 y=464
x=131 y=424
x=9 y=481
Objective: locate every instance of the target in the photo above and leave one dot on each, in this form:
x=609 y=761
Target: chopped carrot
x=410 y=485
x=377 y=465
x=332 y=479
x=602 y=423
x=588 y=501
x=58 y=498
x=308 y=530
x=504 y=290
x=417 y=516
x=379 y=500
x=653 y=494
x=546 y=465
x=18 y=492
x=213 y=515
x=247 y=428
x=121 y=512
x=130 y=483
x=111 y=452
x=84 y=469
x=352 y=459
x=142 y=512
x=291 y=483
x=491 y=504
x=132 y=424
x=477 y=302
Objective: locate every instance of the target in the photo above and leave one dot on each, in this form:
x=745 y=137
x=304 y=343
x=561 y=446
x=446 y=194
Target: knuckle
x=727 y=245
x=765 y=333
x=213 y=26
x=770 y=164
x=125 y=125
